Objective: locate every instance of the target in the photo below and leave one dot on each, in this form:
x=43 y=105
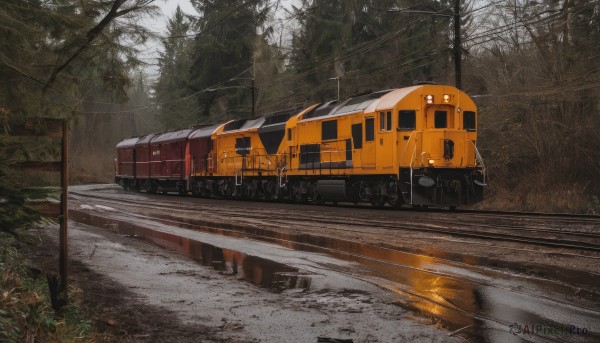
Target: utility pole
x=252 y=87
x=338 y=86
x=457 y=46
x=457 y=42
x=63 y=264
x=253 y=101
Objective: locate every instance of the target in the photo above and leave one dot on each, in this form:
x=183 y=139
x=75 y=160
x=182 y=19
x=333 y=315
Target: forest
x=532 y=67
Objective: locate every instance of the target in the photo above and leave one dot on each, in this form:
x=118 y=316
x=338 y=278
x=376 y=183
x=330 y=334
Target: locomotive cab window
x=407 y=120
x=329 y=130
x=385 y=121
x=441 y=119
x=469 y=121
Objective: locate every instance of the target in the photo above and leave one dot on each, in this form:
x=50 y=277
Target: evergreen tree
x=176 y=103
x=54 y=56
x=222 y=51
x=368 y=44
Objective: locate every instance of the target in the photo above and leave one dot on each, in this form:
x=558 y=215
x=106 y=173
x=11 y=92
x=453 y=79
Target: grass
x=25 y=311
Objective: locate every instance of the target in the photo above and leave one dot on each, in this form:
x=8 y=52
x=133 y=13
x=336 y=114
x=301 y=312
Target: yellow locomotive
x=414 y=145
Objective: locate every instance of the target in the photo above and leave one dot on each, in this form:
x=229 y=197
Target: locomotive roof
x=244 y=124
x=171 y=136
x=128 y=143
x=205 y=131
x=392 y=98
x=358 y=103
x=354 y=104
x=370 y=102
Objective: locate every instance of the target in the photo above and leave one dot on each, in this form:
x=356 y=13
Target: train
x=414 y=146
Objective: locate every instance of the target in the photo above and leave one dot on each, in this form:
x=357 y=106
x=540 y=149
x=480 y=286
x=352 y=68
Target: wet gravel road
x=275 y=272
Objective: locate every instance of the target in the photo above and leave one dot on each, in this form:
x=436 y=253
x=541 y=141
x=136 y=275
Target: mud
x=481 y=304
x=220 y=305
x=475 y=296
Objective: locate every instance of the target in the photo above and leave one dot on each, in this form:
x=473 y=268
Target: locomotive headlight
x=429 y=99
x=446 y=98
x=431 y=162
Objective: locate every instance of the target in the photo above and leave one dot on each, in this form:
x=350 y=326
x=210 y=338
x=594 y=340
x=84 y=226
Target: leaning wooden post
x=64 y=215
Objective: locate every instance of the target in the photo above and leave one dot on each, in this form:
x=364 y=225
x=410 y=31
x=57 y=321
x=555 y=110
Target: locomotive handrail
x=479 y=159
x=330 y=151
x=251 y=161
x=406 y=147
x=411 y=173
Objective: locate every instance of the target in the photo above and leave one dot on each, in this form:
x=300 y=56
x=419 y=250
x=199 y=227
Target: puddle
x=479 y=305
x=265 y=273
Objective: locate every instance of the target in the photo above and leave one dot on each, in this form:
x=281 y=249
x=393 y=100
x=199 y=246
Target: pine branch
x=91 y=36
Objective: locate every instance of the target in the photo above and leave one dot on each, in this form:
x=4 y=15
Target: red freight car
x=167 y=160
x=199 y=158
x=125 y=173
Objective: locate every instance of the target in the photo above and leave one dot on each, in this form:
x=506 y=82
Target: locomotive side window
x=441 y=119
x=242 y=145
x=357 y=136
x=289 y=134
x=370 y=129
x=329 y=130
x=385 y=121
x=407 y=120
x=469 y=122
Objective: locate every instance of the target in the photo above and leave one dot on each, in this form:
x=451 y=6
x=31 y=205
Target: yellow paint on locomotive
x=241 y=152
x=390 y=138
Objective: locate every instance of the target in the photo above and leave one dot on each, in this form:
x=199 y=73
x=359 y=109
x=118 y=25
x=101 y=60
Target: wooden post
x=64 y=214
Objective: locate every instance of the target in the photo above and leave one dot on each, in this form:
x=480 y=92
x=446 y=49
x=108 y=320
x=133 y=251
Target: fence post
x=64 y=214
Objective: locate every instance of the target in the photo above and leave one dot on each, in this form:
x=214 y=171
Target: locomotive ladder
x=239 y=175
x=479 y=161
x=282 y=176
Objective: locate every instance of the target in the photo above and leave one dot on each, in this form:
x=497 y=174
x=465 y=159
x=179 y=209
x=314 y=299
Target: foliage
x=533 y=65
x=368 y=44
x=226 y=32
x=540 y=121
x=174 y=96
x=56 y=57
x=25 y=313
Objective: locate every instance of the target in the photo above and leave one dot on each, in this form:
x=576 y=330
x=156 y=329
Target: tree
x=174 y=96
x=221 y=70
x=369 y=44
x=54 y=57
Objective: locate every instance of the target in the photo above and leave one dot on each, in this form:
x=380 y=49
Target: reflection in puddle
x=448 y=295
x=261 y=272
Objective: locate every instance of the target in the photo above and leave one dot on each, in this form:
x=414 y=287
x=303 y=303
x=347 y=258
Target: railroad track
x=457 y=288
x=548 y=237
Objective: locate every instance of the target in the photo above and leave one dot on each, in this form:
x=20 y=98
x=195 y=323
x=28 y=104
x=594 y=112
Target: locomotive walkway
x=474 y=274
